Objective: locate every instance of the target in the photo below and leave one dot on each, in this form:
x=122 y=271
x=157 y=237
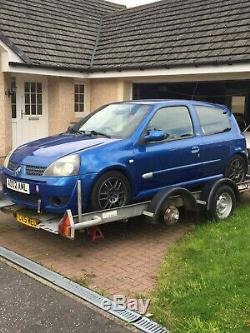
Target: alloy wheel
x=112 y=193
x=237 y=171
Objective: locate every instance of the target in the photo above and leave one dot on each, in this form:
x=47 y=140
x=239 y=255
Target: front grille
x=12 y=166
x=34 y=170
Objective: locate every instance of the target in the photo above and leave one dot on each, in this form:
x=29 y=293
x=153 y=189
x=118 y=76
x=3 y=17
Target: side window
x=174 y=120
x=79 y=100
x=213 y=120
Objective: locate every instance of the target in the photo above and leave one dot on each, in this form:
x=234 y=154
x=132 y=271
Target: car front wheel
x=111 y=190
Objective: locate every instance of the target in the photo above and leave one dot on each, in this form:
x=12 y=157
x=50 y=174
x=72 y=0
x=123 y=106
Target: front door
x=30 y=121
x=171 y=161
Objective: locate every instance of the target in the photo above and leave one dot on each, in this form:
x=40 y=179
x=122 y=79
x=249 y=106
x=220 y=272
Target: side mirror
x=155 y=135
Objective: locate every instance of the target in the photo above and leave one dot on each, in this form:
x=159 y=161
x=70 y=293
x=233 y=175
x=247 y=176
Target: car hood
x=247 y=136
x=45 y=151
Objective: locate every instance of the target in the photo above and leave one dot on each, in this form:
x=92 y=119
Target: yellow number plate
x=29 y=221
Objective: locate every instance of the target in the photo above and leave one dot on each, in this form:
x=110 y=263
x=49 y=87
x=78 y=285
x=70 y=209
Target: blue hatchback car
x=126 y=152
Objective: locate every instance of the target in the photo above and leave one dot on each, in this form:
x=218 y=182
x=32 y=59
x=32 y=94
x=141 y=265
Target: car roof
x=159 y=102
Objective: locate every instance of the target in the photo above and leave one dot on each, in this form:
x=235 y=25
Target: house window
x=33 y=98
x=238 y=104
x=79 y=98
x=13 y=98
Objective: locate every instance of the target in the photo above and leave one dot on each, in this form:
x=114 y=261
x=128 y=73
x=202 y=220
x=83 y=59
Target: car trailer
x=218 y=198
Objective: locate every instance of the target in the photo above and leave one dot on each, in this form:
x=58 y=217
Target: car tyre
x=111 y=190
x=236 y=169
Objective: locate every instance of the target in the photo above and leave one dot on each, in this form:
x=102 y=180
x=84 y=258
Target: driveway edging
x=131 y=317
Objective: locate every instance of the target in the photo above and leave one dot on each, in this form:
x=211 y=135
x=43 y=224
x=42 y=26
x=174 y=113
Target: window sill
x=79 y=114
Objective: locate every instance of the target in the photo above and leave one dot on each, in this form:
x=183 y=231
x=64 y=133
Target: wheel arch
x=241 y=154
x=244 y=156
x=155 y=206
x=211 y=188
x=120 y=168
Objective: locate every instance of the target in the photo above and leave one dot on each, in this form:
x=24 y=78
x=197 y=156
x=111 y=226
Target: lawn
x=204 y=283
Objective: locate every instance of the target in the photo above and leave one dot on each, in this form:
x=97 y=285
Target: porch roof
x=94 y=35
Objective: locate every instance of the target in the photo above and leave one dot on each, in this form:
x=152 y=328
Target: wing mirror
x=155 y=135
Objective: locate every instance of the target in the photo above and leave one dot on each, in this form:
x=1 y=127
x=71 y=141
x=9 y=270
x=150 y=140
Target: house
x=59 y=60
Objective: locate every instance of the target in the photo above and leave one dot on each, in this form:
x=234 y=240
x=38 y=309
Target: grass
x=82 y=281
x=204 y=283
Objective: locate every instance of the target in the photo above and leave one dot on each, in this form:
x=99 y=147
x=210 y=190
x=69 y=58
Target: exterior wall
x=61 y=103
x=103 y=91
x=5 y=116
x=97 y=93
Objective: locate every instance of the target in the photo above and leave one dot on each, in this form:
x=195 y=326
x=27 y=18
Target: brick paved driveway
x=125 y=262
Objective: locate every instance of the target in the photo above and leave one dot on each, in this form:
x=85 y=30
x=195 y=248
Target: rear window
x=213 y=120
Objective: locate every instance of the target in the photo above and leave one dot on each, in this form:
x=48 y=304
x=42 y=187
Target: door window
x=213 y=120
x=174 y=120
x=33 y=98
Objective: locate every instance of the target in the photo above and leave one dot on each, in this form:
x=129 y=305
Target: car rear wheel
x=236 y=169
x=111 y=190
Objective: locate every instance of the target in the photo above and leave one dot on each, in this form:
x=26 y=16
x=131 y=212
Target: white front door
x=31 y=116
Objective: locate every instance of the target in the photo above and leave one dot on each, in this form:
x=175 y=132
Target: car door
x=215 y=139
x=171 y=161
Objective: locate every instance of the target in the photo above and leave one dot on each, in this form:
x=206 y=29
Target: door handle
x=195 y=150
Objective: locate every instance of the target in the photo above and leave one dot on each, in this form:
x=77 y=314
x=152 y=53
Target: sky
x=132 y=3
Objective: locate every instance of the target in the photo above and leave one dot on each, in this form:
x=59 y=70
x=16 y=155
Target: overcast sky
x=132 y=3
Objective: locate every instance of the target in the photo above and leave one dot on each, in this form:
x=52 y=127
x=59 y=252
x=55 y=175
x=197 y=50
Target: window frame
x=212 y=107
x=12 y=97
x=79 y=114
x=141 y=140
x=36 y=93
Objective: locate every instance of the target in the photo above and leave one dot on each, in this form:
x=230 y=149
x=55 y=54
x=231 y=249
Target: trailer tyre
x=223 y=203
x=111 y=190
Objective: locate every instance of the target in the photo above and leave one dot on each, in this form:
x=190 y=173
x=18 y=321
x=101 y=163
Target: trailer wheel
x=223 y=203
x=111 y=190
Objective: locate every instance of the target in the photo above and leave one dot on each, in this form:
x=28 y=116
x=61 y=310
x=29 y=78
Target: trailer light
x=66 y=227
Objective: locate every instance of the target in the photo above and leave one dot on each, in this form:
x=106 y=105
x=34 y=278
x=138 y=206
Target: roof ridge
x=15 y=49
x=96 y=42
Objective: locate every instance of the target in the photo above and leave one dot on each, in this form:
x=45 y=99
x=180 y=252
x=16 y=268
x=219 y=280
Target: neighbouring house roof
x=100 y=36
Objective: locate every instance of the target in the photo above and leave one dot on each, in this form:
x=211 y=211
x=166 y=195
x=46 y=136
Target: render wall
x=103 y=91
x=5 y=116
x=60 y=105
x=97 y=93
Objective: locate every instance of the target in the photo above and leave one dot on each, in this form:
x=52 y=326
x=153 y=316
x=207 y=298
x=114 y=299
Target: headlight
x=7 y=159
x=65 y=166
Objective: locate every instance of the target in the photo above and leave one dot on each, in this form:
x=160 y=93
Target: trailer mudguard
x=159 y=200
x=211 y=188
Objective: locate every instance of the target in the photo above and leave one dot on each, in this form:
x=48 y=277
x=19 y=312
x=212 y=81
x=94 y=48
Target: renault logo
x=17 y=171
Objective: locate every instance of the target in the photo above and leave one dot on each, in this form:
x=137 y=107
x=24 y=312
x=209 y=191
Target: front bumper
x=56 y=194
